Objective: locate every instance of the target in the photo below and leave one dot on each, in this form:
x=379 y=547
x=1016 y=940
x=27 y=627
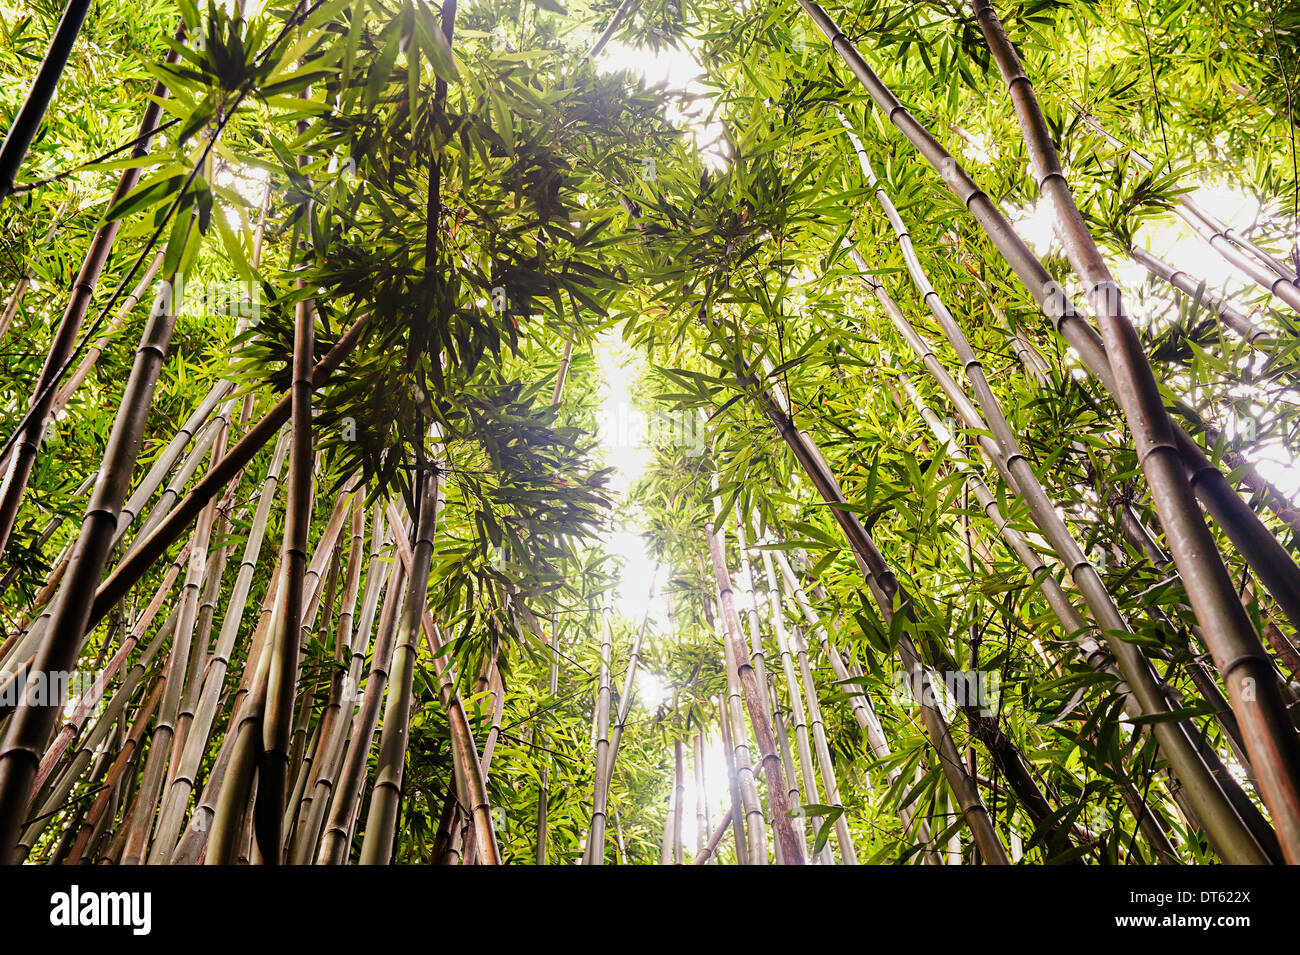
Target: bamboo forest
x=679 y=432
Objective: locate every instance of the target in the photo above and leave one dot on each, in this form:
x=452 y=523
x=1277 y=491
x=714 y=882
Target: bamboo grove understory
x=430 y=436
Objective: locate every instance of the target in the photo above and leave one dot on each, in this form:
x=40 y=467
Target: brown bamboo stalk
x=332 y=733
x=23 y=455
x=123 y=763
x=791 y=844
x=735 y=814
x=70 y=618
x=182 y=779
x=710 y=850
x=381 y=823
x=1232 y=838
x=469 y=777
x=347 y=794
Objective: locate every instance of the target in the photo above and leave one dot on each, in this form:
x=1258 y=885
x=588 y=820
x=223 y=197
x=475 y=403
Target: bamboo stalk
x=123 y=763
x=145 y=552
x=1231 y=837
x=70 y=617
x=791 y=843
x=1261 y=549
x=735 y=814
x=594 y=853
x=182 y=781
x=332 y=733
x=381 y=823
x=26 y=122
x=23 y=456
x=1244 y=665
x=347 y=794
x=166 y=743
x=710 y=850
x=469 y=775
x=702 y=822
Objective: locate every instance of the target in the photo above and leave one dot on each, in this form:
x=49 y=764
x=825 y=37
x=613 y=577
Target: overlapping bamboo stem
x=801 y=717
x=787 y=767
x=1235 y=249
x=608 y=741
x=72 y=725
x=381 y=823
x=1195 y=288
x=1261 y=549
x=1242 y=661
x=326 y=769
x=1232 y=838
x=347 y=794
x=890 y=598
x=57 y=793
x=192 y=846
x=309 y=772
x=736 y=814
x=99 y=815
x=282 y=679
x=1072 y=623
x=23 y=455
x=594 y=851
x=544 y=783
x=860 y=705
x=791 y=843
x=469 y=773
x=182 y=777
x=70 y=617
x=676 y=808
x=737 y=740
x=145 y=552
x=756 y=654
x=165 y=743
